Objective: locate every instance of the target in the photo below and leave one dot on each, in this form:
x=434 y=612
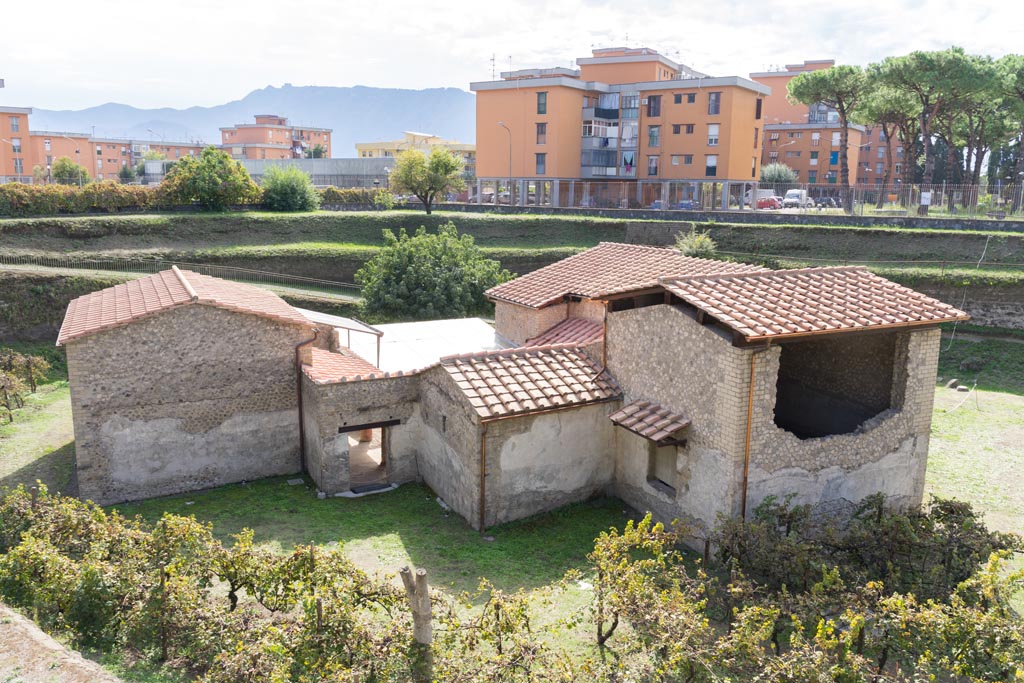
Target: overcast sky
x=70 y=55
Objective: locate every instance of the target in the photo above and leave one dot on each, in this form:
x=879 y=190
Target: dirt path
x=27 y=655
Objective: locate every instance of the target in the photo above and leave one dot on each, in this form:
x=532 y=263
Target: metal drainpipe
x=483 y=474
x=750 y=422
x=298 y=391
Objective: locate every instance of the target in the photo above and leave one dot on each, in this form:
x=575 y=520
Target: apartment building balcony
x=598 y=171
x=594 y=142
x=599 y=113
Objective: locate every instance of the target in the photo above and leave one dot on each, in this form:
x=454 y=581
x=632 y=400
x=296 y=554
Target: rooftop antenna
x=510 y=64
x=493 y=77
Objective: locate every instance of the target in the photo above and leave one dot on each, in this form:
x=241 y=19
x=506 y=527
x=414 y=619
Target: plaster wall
x=190 y=398
x=540 y=462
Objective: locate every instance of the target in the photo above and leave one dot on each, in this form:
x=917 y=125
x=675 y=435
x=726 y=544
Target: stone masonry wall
x=191 y=398
x=537 y=463
x=659 y=353
x=519 y=323
x=888 y=453
x=330 y=407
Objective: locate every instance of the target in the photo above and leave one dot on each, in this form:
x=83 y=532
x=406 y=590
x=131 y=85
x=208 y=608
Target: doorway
x=367 y=459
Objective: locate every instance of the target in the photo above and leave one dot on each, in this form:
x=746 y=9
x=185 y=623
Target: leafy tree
x=317 y=151
x=153 y=155
x=895 y=113
x=213 y=179
x=427 y=177
x=288 y=188
x=126 y=174
x=1012 y=69
x=777 y=174
x=427 y=276
x=840 y=87
x=67 y=172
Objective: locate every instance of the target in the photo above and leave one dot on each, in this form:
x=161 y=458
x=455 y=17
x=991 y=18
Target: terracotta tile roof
x=527 y=380
x=605 y=269
x=167 y=289
x=578 y=331
x=809 y=301
x=649 y=420
x=329 y=367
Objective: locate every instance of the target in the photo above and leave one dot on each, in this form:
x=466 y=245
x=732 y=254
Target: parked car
x=769 y=203
x=797 y=199
x=826 y=203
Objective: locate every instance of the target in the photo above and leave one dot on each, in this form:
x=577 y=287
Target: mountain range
x=356 y=114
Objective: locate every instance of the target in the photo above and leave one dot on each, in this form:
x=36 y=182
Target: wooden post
x=418 y=592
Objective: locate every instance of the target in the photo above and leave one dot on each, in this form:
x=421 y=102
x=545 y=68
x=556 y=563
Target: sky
x=70 y=55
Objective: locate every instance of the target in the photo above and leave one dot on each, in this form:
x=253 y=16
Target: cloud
x=194 y=52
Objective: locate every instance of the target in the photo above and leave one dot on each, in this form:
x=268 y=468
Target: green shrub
x=17 y=199
x=346 y=195
x=428 y=276
x=213 y=180
x=288 y=188
x=696 y=244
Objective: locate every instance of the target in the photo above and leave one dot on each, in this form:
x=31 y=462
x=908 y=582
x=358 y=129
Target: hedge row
x=19 y=199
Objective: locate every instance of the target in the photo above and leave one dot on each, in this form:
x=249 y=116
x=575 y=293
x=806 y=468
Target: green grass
x=387 y=531
x=1000 y=364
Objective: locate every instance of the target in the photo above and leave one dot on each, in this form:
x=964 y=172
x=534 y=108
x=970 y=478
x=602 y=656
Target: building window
x=676 y=128
x=691 y=97
x=652 y=165
x=711 y=165
x=812 y=177
x=677 y=98
x=714 y=103
x=833 y=158
x=879 y=168
x=46 y=145
x=755 y=138
x=675 y=159
x=542 y=162
x=835 y=139
x=654 y=136
x=661 y=468
x=99 y=164
x=899 y=168
x=15 y=124
x=16 y=145
x=99 y=150
x=774 y=137
x=881 y=135
x=49 y=160
x=753 y=167
x=542 y=103
x=270 y=135
x=814 y=159
x=542 y=133
x=688 y=128
x=881 y=152
x=815 y=139
x=773 y=157
x=654 y=105
x=712 y=135
x=19 y=166
x=757 y=109
x=899 y=152
x=687 y=160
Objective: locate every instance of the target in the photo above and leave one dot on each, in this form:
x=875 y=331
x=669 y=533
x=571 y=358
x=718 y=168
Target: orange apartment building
x=624 y=114
x=806 y=138
x=271 y=137
x=23 y=150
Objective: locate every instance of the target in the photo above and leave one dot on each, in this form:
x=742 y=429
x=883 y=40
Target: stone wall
x=191 y=398
x=659 y=353
x=540 y=462
x=519 y=323
x=329 y=408
x=888 y=453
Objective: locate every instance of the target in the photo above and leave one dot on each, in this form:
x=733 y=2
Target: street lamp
x=509 y=131
x=150 y=130
x=78 y=154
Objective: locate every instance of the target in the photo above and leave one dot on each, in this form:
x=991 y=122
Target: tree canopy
x=777 y=174
x=289 y=188
x=427 y=177
x=67 y=172
x=213 y=179
x=427 y=276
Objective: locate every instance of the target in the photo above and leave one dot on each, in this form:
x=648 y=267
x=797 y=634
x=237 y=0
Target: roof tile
x=525 y=380
x=808 y=301
x=328 y=367
x=578 y=331
x=606 y=269
x=649 y=420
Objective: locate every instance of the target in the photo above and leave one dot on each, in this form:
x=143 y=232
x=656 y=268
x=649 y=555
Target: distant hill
x=357 y=114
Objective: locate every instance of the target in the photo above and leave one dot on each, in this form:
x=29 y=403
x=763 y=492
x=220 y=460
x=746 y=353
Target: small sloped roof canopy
x=528 y=380
x=609 y=267
x=651 y=421
x=570 y=331
x=784 y=304
x=137 y=299
x=328 y=367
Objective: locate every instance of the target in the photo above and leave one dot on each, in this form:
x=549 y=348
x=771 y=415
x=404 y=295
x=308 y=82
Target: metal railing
x=149 y=266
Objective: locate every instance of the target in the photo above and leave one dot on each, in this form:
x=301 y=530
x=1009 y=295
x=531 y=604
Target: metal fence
x=973 y=201
x=78 y=264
